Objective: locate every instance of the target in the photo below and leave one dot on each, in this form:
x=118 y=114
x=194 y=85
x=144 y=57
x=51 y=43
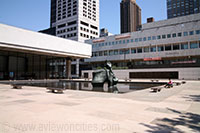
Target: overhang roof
x=28 y=41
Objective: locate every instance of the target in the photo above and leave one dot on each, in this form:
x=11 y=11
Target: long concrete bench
x=154 y=80
x=157 y=88
x=56 y=90
x=15 y=86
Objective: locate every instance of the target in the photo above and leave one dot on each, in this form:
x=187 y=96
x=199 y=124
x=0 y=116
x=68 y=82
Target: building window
x=100 y=53
x=116 y=52
x=146 y=49
x=121 y=52
x=163 y=36
x=153 y=49
x=127 y=51
x=131 y=40
x=160 y=48
x=139 y=50
x=140 y=39
x=71 y=23
x=185 y=33
x=136 y=39
x=191 y=33
x=133 y=51
x=168 y=35
x=153 y=37
x=105 y=53
x=184 y=46
x=144 y=39
x=168 y=48
x=174 y=35
x=111 y=52
x=127 y=41
x=124 y=41
x=199 y=44
x=84 y=23
x=158 y=37
x=193 y=45
x=197 y=32
x=179 y=34
x=176 y=47
x=149 y=38
x=94 y=27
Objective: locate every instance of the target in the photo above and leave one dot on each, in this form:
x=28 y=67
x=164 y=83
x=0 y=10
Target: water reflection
x=87 y=86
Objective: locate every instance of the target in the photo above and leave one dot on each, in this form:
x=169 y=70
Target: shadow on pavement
x=185 y=119
x=195 y=98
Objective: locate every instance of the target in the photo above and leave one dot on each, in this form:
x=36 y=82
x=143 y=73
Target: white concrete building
x=26 y=54
x=164 y=49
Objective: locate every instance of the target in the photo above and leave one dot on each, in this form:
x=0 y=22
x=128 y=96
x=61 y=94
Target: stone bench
x=154 y=80
x=56 y=90
x=15 y=86
x=156 y=89
x=183 y=82
x=176 y=83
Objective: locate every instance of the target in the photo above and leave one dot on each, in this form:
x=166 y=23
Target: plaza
x=33 y=109
x=76 y=77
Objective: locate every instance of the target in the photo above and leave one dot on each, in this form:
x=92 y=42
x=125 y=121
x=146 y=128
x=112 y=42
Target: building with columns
x=30 y=55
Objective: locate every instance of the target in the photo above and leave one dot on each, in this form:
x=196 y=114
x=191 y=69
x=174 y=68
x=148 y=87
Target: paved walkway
x=33 y=109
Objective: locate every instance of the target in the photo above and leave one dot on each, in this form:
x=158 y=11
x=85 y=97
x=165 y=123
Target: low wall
x=183 y=73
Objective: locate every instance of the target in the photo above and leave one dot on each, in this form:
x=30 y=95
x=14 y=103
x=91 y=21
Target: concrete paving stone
x=33 y=109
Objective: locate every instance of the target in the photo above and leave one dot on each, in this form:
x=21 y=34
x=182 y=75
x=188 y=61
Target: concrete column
x=68 y=68
x=77 y=67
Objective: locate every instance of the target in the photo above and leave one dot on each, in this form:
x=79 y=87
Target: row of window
x=87 y=24
x=71 y=9
x=75 y=34
x=69 y=35
x=86 y=36
x=158 y=48
x=68 y=24
x=61 y=31
x=87 y=30
x=89 y=10
x=71 y=29
x=158 y=37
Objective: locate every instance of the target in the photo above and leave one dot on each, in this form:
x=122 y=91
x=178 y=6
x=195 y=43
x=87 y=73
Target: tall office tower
x=76 y=20
x=176 y=8
x=130 y=16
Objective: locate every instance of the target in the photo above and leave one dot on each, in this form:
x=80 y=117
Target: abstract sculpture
x=105 y=75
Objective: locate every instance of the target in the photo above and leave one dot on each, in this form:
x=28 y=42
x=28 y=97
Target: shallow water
x=87 y=86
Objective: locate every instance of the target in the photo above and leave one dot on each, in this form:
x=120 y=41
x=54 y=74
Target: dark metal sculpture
x=105 y=75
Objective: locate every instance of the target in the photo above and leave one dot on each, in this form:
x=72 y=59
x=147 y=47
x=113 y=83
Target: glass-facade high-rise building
x=176 y=8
